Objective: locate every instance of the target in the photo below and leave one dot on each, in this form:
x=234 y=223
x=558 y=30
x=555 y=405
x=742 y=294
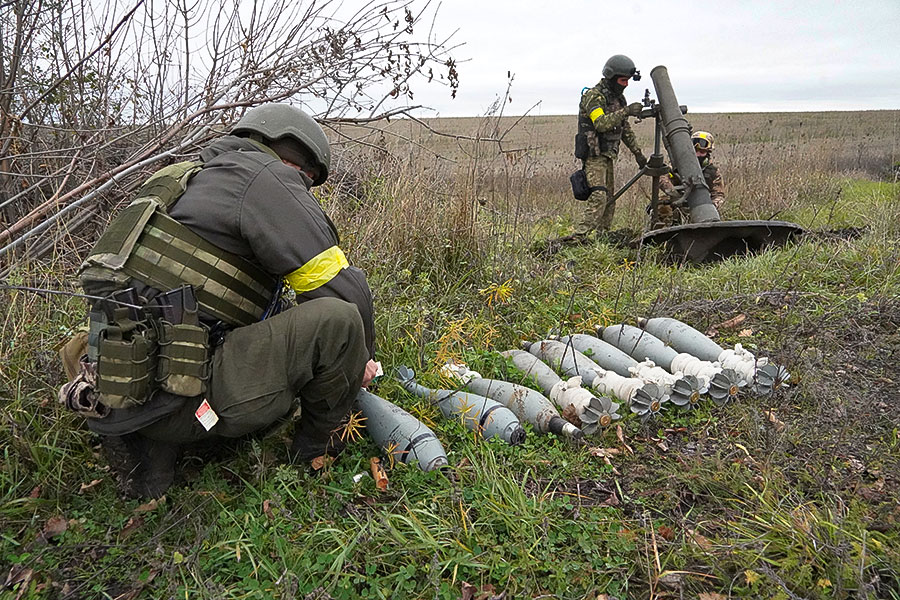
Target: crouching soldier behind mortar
x=602 y=125
x=671 y=209
x=197 y=343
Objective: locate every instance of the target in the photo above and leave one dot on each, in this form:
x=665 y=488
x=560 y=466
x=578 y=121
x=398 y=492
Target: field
x=795 y=495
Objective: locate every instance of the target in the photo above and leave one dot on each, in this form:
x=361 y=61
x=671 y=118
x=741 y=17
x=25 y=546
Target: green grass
x=732 y=505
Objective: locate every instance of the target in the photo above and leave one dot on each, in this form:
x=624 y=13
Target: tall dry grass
x=416 y=198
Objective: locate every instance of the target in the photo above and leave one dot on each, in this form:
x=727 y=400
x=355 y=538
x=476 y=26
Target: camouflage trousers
x=598 y=213
x=314 y=351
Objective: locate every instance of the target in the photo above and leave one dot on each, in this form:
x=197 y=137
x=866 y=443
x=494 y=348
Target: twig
x=25 y=288
x=74 y=68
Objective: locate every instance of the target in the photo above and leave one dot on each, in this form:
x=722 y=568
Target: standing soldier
x=602 y=124
x=194 y=343
x=671 y=210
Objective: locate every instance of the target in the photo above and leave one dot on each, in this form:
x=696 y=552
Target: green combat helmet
x=620 y=65
x=274 y=121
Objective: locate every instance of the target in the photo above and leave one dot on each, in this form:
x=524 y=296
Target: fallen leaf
x=710 y=596
x=53 y=527
x=856 y=464
x=620 y=434
x=151 y=506
x=751 y=577
x=487 y=592
x=671 y=580
x=604 y=452
x=18 y=574
x=667 y=533
x=777 y=424
x=35 y=492
x=732 y=322
x=133 y=524
x=177 y=558
x=267 y=509
x=745 y=333
x=662 y=445
x=87 y=486
x=613 y=500
x=701 y=541
x=318 y=463
x=468 y=591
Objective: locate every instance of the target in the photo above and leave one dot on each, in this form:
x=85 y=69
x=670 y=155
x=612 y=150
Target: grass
x=791 y=496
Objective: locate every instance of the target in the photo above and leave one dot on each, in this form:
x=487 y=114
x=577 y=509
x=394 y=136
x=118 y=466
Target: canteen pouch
x=580 y=188
x=183 y=367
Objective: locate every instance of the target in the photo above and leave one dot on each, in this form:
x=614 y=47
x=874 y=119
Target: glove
x=641 y=160
x=634 y=109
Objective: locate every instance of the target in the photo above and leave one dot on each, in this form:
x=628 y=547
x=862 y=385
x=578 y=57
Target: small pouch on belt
x=183 y=367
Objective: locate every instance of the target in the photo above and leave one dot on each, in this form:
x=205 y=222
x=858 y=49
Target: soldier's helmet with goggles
x=283 y=127
x=620 y=65
x=703 y=140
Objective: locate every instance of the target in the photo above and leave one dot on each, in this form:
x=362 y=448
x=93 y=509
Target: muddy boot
x=145 y=467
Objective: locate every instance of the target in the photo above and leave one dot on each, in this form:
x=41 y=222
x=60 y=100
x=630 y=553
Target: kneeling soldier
x=671 y=209
x=195 y=342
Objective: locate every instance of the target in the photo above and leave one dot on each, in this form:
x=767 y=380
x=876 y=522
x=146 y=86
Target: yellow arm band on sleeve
x=597 y=113
x=318 y=271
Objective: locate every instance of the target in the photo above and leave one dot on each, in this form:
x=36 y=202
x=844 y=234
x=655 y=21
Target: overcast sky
x=722 y=55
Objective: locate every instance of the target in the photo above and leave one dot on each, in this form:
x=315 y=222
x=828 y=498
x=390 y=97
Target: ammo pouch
x=183 y=367
x=126 y=366
x=580 y=187
x=144 y=244
x=582 y=150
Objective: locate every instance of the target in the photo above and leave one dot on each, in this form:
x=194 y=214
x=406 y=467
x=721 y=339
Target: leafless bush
x=94 y=95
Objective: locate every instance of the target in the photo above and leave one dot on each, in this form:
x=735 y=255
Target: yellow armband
x=317 y=271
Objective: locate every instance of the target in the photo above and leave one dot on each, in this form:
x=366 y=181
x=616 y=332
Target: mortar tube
x=681 y=149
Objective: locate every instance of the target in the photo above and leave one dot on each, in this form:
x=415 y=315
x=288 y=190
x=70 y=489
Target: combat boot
x=304 y=449
x=145 y=468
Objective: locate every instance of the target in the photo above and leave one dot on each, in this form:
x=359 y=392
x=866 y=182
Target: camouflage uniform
x=670 y=212
x=604 y=122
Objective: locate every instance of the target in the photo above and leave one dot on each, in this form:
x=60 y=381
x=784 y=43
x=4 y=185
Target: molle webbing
x=144 y=243
x=227 y=286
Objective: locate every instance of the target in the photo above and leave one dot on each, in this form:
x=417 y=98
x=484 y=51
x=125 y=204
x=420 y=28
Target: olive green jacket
x=248 y=202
